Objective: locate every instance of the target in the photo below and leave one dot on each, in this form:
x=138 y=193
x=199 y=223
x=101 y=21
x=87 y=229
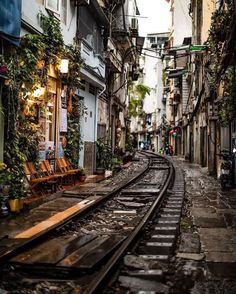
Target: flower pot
x=100 y=171
x=82 y=178
x=21 y=203
x=14 y=205
x=3 y=69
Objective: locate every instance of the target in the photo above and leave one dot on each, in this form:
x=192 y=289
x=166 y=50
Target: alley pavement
x=206 y=255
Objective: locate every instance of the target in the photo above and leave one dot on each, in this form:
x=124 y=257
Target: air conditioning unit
x=81 y=2
x=134 y=24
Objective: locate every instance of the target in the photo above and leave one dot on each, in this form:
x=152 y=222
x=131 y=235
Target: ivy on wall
x=73 y=136
x=219 y=33
x=227 y=105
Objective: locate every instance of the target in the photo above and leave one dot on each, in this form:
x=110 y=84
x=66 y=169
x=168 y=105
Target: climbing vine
x=220 y=27
x=73 y=136
x=227 y=105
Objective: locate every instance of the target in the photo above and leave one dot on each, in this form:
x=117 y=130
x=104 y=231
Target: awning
x=10 y=21
x=175 y=73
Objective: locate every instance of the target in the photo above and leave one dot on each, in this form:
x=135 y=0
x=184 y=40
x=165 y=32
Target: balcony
x=113 y=57
x=118 y=29
x=94 y=67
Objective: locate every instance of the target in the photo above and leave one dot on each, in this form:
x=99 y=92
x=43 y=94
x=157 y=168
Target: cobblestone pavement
x=206 y=256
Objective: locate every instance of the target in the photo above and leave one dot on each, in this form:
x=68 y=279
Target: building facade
x=94 y=40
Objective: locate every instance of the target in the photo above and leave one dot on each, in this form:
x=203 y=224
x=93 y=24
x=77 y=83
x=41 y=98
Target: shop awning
x=10 y=21
x=176 y=73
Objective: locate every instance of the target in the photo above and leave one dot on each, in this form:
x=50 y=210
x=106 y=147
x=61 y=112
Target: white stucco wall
x=88 y=121
x=153 y=68
x=31 y=8
x=182 y=21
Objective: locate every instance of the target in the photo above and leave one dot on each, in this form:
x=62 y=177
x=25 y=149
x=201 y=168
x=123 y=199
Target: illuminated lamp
x=64 y=66
x=38 y=92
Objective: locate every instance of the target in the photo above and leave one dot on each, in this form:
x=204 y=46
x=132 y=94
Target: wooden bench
x=65 y=168
x=46 y=168
x=37 y=181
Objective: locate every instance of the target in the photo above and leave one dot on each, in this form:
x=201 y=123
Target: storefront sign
x=63 y=122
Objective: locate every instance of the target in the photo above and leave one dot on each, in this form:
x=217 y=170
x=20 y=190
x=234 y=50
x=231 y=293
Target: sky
x=158 y=16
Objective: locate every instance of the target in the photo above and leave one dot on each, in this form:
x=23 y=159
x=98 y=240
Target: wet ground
x=205 y=260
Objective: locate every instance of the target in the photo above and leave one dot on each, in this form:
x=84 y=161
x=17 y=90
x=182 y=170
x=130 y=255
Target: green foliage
x=52 y=36
x=13 y=157
x=129 y=142
x=227 y=105
x=219 y=31
x=29 y=140
x=103 y=154
x=137 y=94
x=73 y=136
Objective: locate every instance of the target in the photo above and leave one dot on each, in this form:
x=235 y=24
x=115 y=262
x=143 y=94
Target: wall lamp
x=64 y=66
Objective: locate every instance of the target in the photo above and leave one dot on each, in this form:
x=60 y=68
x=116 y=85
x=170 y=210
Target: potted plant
x=82 y=175
x=3 y=206
x=103 y=156
x=12 y=190
x=15 y=202
x=4 y=187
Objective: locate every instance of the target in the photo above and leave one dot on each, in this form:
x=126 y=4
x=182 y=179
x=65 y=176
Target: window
x=64 y=11
x=53 y=5
x=60 y=7
x=90 y=30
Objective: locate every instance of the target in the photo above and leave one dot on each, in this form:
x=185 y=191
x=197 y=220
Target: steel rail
x=102 y=277
x=40 y=236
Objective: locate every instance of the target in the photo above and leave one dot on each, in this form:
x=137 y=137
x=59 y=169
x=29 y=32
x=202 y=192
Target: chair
x=65 y=168
x=36 y=180
x=46 y=168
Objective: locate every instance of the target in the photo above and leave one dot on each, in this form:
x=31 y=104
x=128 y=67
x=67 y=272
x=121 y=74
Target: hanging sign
x=63 y=121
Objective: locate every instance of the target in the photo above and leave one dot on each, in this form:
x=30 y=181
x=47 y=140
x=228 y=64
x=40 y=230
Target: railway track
x=89 y=251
